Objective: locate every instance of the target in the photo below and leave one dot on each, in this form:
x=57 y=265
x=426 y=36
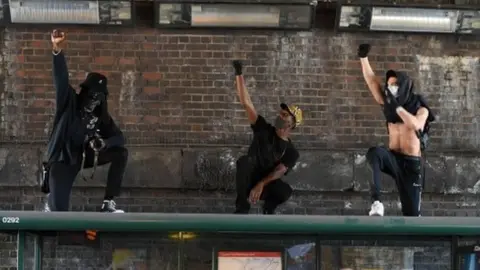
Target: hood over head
x=93 y=94
x=95 y=82
x=406 y=97
x=405 y=86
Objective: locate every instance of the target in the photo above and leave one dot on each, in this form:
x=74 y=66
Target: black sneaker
x=109 y=206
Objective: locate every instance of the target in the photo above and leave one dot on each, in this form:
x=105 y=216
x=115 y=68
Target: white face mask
x=393 y=89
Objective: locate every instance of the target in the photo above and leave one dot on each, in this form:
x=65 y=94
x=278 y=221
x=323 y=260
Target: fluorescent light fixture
x=413 y=20
x=231 y=15
x=212 y=15
x=71 y=12
x=407 y=19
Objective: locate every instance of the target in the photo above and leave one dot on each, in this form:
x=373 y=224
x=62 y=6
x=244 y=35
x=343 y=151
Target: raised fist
x=57 y=37
x=237 y=65
x=363 y=50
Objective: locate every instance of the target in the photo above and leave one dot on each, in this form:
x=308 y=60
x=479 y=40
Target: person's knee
x=242 y=162
x=374 y=153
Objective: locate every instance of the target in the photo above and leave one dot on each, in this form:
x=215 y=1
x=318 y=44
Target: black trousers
x=274 y=193
x=407 y=172
x=63 y=175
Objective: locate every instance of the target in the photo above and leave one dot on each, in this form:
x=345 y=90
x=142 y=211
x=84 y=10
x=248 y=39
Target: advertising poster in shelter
x=251 y=260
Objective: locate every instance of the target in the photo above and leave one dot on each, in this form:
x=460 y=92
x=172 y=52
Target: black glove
x=391 y=100
x=237 y=65
x=363 y=50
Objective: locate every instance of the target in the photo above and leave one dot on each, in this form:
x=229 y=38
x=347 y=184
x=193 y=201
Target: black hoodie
x=406 y=98
x=66 y=141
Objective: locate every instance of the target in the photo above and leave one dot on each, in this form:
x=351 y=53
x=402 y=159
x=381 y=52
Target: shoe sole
x=115 y=212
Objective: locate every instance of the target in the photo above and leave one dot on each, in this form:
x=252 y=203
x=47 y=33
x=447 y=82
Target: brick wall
x=177 y=87
x=172 y=93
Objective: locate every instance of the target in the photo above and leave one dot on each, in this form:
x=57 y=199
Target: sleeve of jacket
x=64 y=92
x=112 y=135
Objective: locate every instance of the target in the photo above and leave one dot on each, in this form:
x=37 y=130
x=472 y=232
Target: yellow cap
x=295 y=111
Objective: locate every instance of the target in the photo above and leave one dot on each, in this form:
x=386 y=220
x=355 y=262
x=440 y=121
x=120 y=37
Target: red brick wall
x=177 y=86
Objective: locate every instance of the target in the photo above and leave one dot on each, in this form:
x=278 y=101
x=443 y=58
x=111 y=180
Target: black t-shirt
x=268 y=150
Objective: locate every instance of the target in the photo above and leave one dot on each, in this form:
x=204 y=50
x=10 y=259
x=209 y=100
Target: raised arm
x=243 y=93
x=372 y=81
x=60 y=71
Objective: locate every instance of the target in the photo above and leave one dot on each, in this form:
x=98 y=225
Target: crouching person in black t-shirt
x=270 y=156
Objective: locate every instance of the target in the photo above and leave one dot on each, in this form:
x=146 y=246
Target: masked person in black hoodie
x=270 y=156
x=408 y=117
x=84 y=135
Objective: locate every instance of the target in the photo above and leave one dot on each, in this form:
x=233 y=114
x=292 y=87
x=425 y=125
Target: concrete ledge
x=19 y=166
x=321 y=170
x=213 y=169
x=210 y=168
x=146 y=168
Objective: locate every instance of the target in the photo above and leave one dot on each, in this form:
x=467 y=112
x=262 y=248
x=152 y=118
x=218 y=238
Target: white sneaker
x=46 y=207
x=377 y=209
x=109 y=206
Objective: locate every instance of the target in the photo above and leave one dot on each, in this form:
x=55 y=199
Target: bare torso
x=403 y=139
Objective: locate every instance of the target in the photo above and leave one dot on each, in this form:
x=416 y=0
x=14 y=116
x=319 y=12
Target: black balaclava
x=93 y=94
x=93 y=99
x=403 y=94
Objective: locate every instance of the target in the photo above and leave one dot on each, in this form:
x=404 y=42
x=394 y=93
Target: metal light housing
x=233 y=15
x=357 y=17
x=107 y=12
x=413 y=20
